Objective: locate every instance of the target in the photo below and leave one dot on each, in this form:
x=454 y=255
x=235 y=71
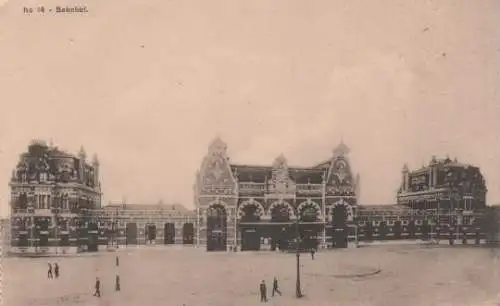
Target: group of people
x=263 y=290
x=263 y=287
x=53 y=272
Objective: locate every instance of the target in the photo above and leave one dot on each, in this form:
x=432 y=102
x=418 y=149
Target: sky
x=147 y=85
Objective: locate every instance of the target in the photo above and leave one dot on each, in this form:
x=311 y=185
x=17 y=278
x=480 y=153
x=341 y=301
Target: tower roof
x=341 y=149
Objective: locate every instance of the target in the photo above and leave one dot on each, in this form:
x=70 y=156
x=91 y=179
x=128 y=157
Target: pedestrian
x=313 y=251
x=49 y=272
x=97 y=287
x=263 y=292
x=117 y=283
x=275 y=287
x=56 y=270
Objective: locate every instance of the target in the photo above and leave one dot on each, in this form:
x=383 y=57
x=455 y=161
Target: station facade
x=251 y=206
x=244 y=205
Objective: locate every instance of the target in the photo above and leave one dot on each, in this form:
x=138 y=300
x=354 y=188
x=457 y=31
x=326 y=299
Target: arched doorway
x=339 y=226
x=150 y=233
x=282 y=231
x=188 y=233
x=309 y=226
x=250 y=232
x=131 y=234
x=216 y=228
x=169 y=233
x=92 y=237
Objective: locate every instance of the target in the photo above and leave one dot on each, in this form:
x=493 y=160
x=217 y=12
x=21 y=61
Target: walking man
x=56 y=270
x=263 y=292
x=275 y=287
x=49 y=272
x=312 y=253
x=97 y=287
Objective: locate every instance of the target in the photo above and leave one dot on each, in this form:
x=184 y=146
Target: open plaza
x=182 y=275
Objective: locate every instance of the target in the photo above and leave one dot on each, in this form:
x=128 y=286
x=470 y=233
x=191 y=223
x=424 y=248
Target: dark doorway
x=282 y=232
x=23 y=240
x=64 y=240
x=339 y=225
x=150 y=230
x=309 y=230
x=42 y=231
x=382 y=230
x=412 y=229
x=92 y=237
x=397 y=230
x=250 y=232
x=216 y=228
x=368 y=231
x=169 y=233
x=131 y=234
x=250 y=238
x=188 y=233
x=425 y=229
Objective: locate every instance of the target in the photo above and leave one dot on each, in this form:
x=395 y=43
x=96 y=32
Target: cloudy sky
x=148 y=84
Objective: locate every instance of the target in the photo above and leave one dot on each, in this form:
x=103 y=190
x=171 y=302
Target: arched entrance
x=216 y=228
x=283 y=231
x=169 y=233
x=188 y=233
x=150 y=233
x=309 y=227
x=250 y=231
x=131 y=234
x=339 y=226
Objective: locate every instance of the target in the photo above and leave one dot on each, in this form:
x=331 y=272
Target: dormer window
x=43 y=176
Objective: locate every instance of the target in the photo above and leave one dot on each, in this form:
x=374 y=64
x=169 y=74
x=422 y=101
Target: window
x=43 y=177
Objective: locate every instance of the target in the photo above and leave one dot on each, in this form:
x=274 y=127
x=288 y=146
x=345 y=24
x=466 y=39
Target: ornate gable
x=340 y=180
x=281 y=183
x=215 y=170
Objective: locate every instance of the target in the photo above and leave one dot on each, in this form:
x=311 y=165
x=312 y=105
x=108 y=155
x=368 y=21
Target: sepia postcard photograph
x=239 y=153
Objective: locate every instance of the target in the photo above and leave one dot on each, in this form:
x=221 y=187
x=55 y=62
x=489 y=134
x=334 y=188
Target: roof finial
x=82 y=153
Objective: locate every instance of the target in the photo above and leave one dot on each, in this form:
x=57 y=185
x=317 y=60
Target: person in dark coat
x=263 y=291
x=49 y=272
x=97 y=287
x=56 y=270
x=275 y=287
x=312 y=253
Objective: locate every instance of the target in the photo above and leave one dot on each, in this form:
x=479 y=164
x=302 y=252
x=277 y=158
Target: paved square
x=410 y=275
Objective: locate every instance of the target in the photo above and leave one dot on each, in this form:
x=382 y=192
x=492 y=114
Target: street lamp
x=298 y=291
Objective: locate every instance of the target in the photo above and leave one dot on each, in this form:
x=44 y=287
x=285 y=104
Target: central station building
x=244 y=205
